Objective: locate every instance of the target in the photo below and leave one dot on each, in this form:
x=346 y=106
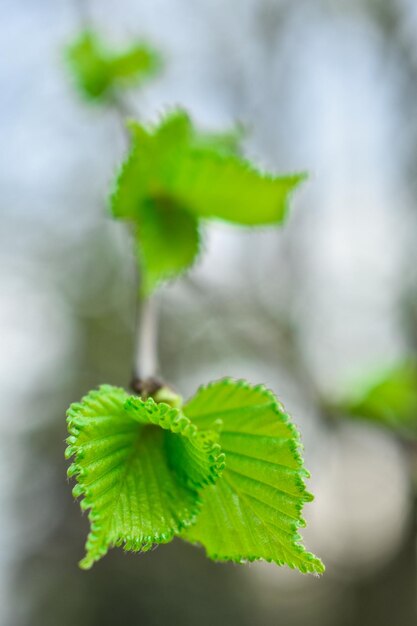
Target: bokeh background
x=326 y=86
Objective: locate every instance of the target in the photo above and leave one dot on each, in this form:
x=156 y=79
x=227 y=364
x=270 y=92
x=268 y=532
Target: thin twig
x=146 y=342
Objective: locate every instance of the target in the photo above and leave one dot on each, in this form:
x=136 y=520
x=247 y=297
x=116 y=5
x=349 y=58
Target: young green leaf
x=98 y=71
x=254 y=510
x=139 y=466
x=389 y=398
x=168 y=242
x=226 y=188
x=196 y=175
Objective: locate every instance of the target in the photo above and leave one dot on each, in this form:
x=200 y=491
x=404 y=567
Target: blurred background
x=324 y=86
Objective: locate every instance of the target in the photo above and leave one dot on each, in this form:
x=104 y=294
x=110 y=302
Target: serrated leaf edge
x=175 y=421
x=172 y=420
x=305 y=496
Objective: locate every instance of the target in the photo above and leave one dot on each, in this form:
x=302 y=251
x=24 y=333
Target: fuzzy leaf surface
x=139 y=466
x=254 y=511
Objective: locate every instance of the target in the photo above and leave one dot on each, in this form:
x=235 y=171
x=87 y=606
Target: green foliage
x=168 y=242
x=186 y=176
x=146 y=469
x=139 y=466
x=389 y=398
x=254 y=511
x=98 y=71
x=225 y=471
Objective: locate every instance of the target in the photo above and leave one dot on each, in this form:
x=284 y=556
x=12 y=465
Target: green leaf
x=146 y=173
x=197 y=176
x=254 y=510
x=98 y=71
x=388 y=398
x=168 y=242
x=202 y=176
x=139 y=466
x=229 y=189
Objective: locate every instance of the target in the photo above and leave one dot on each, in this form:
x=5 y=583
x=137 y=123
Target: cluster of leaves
x=174 y=177
x=388 y=398
x=100 y=72
x=223 y=471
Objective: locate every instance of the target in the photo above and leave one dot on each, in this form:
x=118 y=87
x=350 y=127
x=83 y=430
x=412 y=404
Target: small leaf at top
x=254 y=510
x=98 y=71
x=139 y=466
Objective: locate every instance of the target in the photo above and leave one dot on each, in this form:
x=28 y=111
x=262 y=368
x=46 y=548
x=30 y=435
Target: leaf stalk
x=146 y=340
